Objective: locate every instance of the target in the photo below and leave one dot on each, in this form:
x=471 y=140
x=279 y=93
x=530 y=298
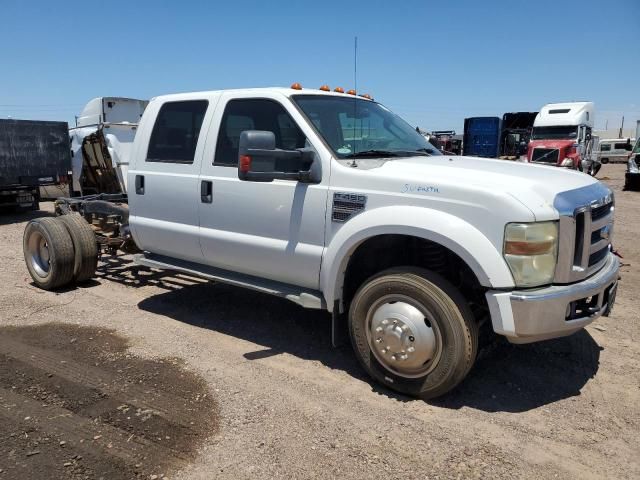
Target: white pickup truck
x=333 y=202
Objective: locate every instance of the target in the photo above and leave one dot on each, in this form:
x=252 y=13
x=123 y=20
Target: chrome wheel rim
x=403 y=336
x=38 y=252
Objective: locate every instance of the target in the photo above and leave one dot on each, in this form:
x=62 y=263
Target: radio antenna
x=355 y=63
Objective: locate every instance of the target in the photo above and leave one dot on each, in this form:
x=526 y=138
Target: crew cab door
x=274 y=229
x=163 y=186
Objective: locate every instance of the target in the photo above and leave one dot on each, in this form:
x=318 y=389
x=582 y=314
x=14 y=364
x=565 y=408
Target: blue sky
x=434 y=63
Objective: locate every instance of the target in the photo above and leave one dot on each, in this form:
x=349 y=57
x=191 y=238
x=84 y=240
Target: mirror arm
x=261 y=152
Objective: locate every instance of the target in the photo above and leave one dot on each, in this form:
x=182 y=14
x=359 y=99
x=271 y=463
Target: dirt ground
x=154 y=375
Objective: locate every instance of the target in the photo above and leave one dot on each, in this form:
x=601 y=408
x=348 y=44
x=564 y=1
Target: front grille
x=602 y=211
x=585 y=233
x=545 y=155
x=598 y=256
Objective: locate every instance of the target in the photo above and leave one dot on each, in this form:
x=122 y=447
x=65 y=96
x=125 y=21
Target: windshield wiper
x=386 y=153
x=373 y=153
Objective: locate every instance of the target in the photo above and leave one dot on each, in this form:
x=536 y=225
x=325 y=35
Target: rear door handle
x=206 y=191
x=140 y=184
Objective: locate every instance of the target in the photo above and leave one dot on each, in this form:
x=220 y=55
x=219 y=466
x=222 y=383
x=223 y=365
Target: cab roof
x=287 y=92
x=568 y=113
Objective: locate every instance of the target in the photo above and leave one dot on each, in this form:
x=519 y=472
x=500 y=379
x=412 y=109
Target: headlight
x=531 y=250
x=633 y=165
x=567 y=162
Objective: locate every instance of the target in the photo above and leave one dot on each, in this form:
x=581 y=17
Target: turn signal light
x=296 y=86
x=528 y=248
x=325 y=88
x=338 y=90
x=245 y=163
x=351 y=92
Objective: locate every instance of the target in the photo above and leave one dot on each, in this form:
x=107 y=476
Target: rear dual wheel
x=58 y=251
x=413 y=331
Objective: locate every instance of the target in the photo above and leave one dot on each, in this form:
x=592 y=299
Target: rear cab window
x=175 y=134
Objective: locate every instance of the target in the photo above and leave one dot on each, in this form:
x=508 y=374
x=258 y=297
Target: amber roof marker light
x=338 y=90
x=325 y=88
x=367 y=96
x=296 y=86
x=351 y=92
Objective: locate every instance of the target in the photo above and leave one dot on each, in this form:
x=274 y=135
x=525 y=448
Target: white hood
x=536 y=186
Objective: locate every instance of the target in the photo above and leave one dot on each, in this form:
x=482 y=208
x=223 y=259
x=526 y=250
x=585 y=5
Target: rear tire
x=85 y=246
x=413 y=331
x=48 y=253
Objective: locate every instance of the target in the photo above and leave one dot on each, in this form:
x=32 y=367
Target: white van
x=614 y=150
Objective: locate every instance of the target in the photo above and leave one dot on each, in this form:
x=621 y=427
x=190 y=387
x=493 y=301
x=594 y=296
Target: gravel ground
x=284 y=404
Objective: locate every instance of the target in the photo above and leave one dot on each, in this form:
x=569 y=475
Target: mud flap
x=612 y=299
x=339 y=326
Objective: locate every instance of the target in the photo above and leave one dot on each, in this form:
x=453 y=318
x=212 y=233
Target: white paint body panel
x=273 y=230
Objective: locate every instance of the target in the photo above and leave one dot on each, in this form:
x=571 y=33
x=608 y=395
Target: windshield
x=555 y=133
x=636 y=149
x=357 y=128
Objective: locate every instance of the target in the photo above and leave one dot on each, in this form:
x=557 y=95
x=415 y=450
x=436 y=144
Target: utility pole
x=621 y=127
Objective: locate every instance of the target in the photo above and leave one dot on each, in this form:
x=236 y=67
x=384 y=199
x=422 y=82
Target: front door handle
x=206 y=191
x=140 y=184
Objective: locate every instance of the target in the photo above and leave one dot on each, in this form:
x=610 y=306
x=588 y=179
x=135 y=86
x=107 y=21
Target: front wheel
x=413 y=331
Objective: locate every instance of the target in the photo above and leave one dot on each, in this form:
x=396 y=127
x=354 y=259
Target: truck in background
x=562 y=135
x=516 y=133
x=632 y=176
x=101 y=143
x=447 y=141
x=495 y=137
x=33 y=153
x=482 y=137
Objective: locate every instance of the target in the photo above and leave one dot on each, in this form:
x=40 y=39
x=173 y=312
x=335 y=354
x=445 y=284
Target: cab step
x=306 y=298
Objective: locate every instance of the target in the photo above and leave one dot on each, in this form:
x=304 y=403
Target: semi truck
x=101 y=143
x=33 y=153
x=562 y=135
x=495 y=137
x=331 y=201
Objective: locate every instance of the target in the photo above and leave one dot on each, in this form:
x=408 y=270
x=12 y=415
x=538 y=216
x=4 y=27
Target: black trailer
x=516 y=133
x=33 y=153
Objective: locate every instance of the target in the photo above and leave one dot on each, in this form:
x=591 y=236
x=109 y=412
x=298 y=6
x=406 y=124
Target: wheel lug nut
x=393 y=357
x=411 y=349
x=379 y=329
x=412 y=338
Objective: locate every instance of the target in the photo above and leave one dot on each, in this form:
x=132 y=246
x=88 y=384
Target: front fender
x=445 y=229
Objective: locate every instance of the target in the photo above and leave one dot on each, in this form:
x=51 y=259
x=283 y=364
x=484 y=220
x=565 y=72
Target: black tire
x=85 y=246
x=604 y=161
x=55 y=268
x=454 y=323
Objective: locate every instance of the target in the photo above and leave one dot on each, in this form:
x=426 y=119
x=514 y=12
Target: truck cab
x=562 y=135
x=330 y=200
x=101 y=142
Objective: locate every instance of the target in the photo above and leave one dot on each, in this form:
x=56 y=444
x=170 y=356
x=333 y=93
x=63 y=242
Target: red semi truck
x=562 y=135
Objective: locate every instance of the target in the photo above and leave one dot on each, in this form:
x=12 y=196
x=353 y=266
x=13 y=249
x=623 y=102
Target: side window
x=175 y=134
x=605 y=147
x=256 y=114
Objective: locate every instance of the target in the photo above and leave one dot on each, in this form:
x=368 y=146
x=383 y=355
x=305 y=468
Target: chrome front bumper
x=525 y=316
